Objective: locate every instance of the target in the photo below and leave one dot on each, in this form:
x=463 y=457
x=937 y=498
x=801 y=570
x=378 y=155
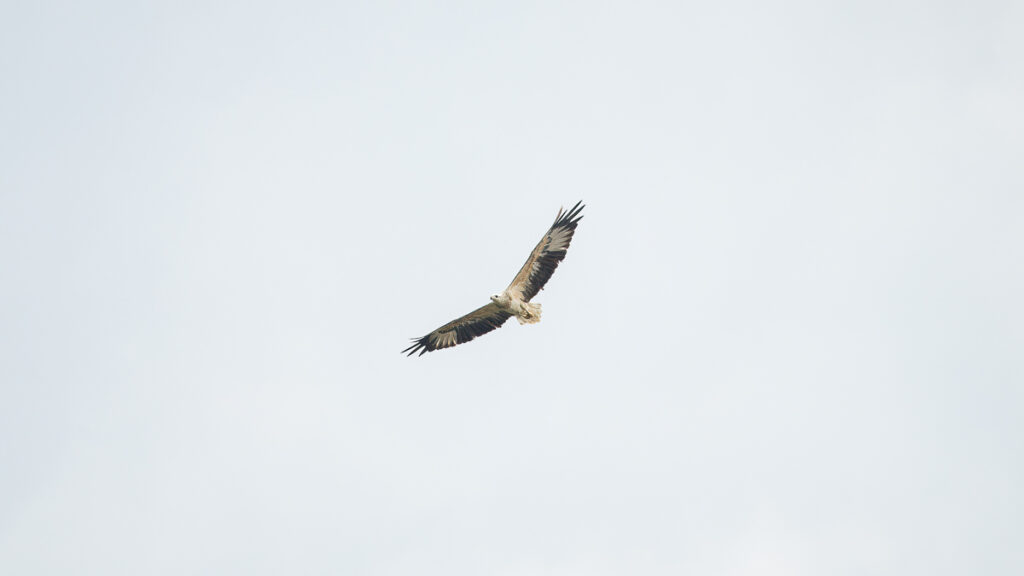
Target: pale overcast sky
x=788 y=338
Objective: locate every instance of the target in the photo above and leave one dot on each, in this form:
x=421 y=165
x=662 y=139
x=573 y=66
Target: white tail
x=531 y=313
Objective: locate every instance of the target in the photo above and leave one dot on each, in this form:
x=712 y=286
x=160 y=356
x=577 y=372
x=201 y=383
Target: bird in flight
x=514 y=300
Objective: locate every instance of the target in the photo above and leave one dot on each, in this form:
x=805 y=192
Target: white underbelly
x=515 y=306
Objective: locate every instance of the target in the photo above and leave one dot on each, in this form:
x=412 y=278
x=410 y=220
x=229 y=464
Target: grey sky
x=787 y=339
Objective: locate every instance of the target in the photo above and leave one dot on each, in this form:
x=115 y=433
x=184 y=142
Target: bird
x=514 y=300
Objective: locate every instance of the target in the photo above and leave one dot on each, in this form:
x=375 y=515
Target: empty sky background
x=788 y=337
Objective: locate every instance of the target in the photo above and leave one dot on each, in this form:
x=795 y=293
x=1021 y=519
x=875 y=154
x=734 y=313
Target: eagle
x=514 y=300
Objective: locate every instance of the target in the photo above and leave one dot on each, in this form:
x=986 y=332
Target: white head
x=499 y=299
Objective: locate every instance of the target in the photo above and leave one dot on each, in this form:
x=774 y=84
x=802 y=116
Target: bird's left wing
x=546 y=255
x=477 y=323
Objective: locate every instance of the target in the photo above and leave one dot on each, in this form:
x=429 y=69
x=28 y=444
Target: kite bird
x=515 y=300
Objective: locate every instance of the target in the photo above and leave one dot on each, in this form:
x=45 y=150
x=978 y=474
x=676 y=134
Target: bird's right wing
x=476 y=323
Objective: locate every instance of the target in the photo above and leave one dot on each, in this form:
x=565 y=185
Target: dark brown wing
x=546 y=255
x=476 y=323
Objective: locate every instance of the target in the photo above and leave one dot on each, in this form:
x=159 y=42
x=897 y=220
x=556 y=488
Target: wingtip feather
x=417 y=343
x=570 y=217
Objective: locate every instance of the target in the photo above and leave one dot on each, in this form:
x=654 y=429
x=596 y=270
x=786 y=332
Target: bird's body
x=525 y=312
x=514 y=300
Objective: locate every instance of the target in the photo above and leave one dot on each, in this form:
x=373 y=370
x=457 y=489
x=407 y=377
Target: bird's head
x=494 y=298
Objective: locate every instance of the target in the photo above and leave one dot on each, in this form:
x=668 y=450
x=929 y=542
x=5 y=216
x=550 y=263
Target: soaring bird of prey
x=514 y=300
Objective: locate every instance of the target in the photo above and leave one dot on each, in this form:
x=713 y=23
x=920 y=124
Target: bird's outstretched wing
x=546 y=255
x=476 y=323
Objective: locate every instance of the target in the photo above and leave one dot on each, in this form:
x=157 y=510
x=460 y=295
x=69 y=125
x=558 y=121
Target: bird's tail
x=531 y=313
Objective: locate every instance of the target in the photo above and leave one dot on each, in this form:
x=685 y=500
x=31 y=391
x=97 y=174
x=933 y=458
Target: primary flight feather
x=515 y=300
